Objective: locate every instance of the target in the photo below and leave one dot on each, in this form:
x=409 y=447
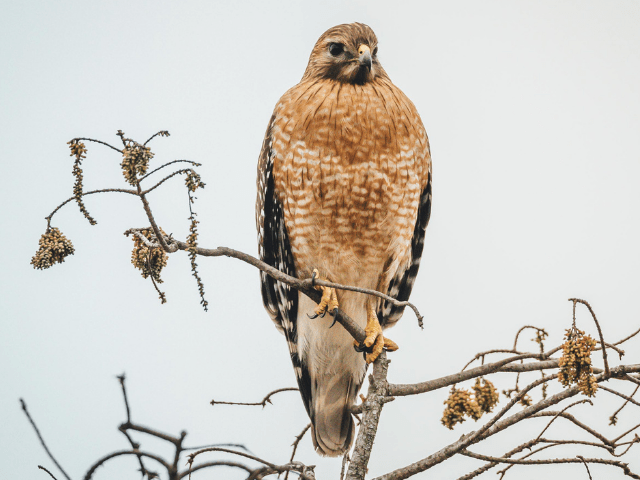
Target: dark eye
x=375 y=51
x=336 y=49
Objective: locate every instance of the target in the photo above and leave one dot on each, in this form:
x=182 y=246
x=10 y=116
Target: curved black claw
x=313 y=279
x=363 y=348
x=335 y=317
x=315 y=315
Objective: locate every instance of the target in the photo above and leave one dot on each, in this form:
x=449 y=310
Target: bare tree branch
x=121 y=453
x=44 y=445
x=195 y=164
x=593 y=314
x=263 y=402
x=372 y=408
x=295 y=444
x=50 y=474
x=615 y=463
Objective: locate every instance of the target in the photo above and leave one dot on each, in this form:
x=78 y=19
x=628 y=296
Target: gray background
x=533 y=112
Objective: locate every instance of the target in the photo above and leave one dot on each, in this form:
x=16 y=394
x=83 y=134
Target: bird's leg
x=328 y=303
x=375 y=342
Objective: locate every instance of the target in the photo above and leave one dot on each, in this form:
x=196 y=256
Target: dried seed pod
x=458 y=405
x=54 y=247
x=575 y=363
x=79 y=150
x=193 y=182
x=135 y=161
x=486 y=395
x=150 y=261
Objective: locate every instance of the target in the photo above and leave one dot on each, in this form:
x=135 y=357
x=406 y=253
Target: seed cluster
x=486 y=395
x=54 y=247
x=461 y=403
x=79 y=150
x=150 y=261
x=575 y=363
x=541 y=334
x=192 y=245
x=193 y=182
x=135 y=161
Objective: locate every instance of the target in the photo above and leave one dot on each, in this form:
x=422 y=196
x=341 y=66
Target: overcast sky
x=533 y=113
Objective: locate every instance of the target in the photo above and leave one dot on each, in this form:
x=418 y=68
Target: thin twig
x=219 y=463
x=295 y=447
x=619 y=437
x=44 y=445
x=121 y=379
x=586 y=465
x=84 y=194
x=263 y=402
x=161 y=132
x=106 y=458
x=134 y=445
x=232 y=445
x=96 y=141
x=613 y=417
x=576 y=422
x=178 y=172
x=50 y=474
x=560 y=413
x=195 y=164
x=515 y=341
x=593 y=314
x=488 y=352
x=149 y=431
x=628 y=337
x=621 y=395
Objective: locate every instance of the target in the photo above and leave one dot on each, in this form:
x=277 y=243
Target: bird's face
x=347 y=54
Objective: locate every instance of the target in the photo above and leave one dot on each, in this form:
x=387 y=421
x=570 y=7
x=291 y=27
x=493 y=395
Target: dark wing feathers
x=402 y=282
x=280 y=300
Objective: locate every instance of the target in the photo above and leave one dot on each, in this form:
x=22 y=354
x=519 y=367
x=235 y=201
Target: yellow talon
x=374 y=340
x=329 y=301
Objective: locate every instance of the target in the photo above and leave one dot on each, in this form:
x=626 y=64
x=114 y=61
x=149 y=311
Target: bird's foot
x=374 y=342
x=328 y=303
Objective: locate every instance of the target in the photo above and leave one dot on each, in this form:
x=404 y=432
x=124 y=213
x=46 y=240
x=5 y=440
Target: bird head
x=346 y=53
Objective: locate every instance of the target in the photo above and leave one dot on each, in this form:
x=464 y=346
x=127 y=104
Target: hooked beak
x=365 y=56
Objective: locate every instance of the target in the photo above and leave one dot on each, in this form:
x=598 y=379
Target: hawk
x=344 y=193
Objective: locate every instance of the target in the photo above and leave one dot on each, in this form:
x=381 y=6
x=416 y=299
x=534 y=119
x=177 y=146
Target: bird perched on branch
x=344 y=193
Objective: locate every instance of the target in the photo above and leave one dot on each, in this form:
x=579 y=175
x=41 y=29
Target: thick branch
x=372 y=407
x=423 y=387
x=493 y=426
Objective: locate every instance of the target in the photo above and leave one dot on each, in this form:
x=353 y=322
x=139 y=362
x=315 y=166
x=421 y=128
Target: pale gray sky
x=533 y=112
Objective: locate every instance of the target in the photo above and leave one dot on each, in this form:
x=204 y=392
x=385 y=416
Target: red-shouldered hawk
x=344 y=190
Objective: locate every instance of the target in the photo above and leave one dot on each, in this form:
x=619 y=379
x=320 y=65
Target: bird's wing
x=402 y=282
x=280 y=300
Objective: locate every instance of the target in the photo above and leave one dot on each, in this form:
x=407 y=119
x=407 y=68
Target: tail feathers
x=332 y=426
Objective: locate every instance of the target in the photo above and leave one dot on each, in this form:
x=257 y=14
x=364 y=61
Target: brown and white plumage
x=344 y=187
